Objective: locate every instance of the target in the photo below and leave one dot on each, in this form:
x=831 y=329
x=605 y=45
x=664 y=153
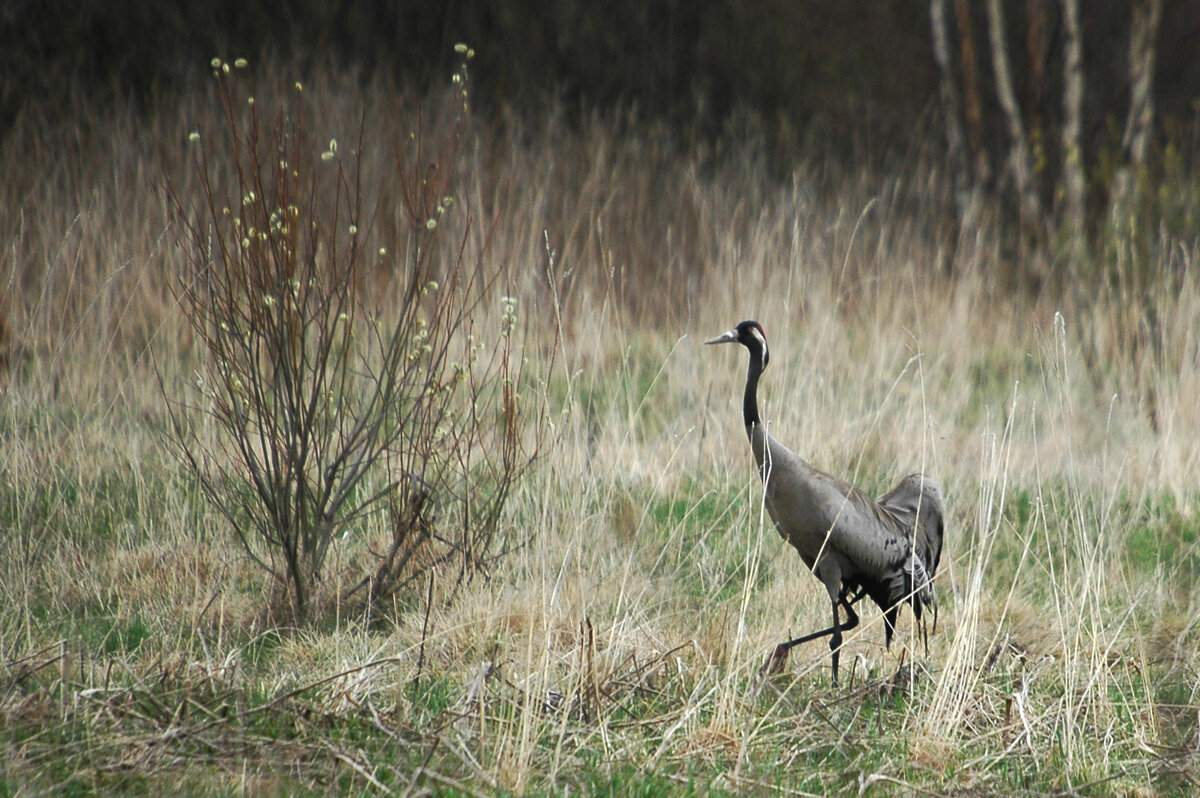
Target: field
x=616 y=647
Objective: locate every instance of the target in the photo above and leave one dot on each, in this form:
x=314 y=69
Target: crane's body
x=887 y=549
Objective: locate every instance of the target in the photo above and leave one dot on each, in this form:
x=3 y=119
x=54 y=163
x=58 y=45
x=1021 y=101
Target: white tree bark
x=1073 y=177
x=952 y=114
x=1147 y=15
x=1020 y=158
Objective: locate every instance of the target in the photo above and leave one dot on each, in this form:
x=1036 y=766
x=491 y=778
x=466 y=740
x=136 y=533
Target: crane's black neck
x=750 y=399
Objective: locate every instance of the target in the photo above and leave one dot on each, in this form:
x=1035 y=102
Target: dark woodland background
x=838 y=83
x=854 y=76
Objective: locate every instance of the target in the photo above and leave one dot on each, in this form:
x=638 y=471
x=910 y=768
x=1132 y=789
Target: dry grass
x=618 y=650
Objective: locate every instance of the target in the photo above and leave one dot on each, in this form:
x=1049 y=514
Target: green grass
x=1161 y=535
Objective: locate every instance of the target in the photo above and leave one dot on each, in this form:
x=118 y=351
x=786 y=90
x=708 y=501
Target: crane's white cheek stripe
x=762 y=342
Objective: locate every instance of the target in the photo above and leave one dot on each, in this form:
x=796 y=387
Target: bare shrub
x=345 y=384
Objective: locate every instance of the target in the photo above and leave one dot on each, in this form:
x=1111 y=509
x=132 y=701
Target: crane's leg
x=848 y=603
x=835 y=642
x=779 y=656
x=831 y=574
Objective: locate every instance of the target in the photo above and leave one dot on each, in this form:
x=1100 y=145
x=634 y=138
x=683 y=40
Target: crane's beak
x=724 y=338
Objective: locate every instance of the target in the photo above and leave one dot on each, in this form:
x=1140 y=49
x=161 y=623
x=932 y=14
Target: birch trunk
x=1073 y=178
x=952 y=115
x=1020 y=158
x=1147 y=15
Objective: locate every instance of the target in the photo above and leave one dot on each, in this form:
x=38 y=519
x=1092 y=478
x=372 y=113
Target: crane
x=886 y=549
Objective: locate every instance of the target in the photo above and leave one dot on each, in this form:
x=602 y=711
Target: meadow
x=615 y=647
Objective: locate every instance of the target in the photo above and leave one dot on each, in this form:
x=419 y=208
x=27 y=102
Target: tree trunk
x=1037 y=50
x=972 y=98
x=1073 y=178
x=952 y=116
x=1020 y=159
x=1147 y=14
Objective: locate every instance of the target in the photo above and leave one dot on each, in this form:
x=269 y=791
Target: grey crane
x=886 y=549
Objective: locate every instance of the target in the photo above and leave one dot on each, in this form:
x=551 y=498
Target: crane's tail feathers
x=933 y=604
x=925 y=596
x=920 y=591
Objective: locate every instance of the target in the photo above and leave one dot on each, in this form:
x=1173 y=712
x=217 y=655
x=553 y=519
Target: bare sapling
x=358 y=361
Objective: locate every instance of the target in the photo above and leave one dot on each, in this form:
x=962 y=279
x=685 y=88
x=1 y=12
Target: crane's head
x=749 y=334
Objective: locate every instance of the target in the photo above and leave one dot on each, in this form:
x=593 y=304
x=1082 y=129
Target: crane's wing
x=890 y=546
x=916 y=505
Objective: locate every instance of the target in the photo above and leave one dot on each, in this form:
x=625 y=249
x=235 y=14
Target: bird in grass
x=886 y=549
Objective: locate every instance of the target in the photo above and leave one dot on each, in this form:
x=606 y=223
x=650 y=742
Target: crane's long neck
x=750 y=399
